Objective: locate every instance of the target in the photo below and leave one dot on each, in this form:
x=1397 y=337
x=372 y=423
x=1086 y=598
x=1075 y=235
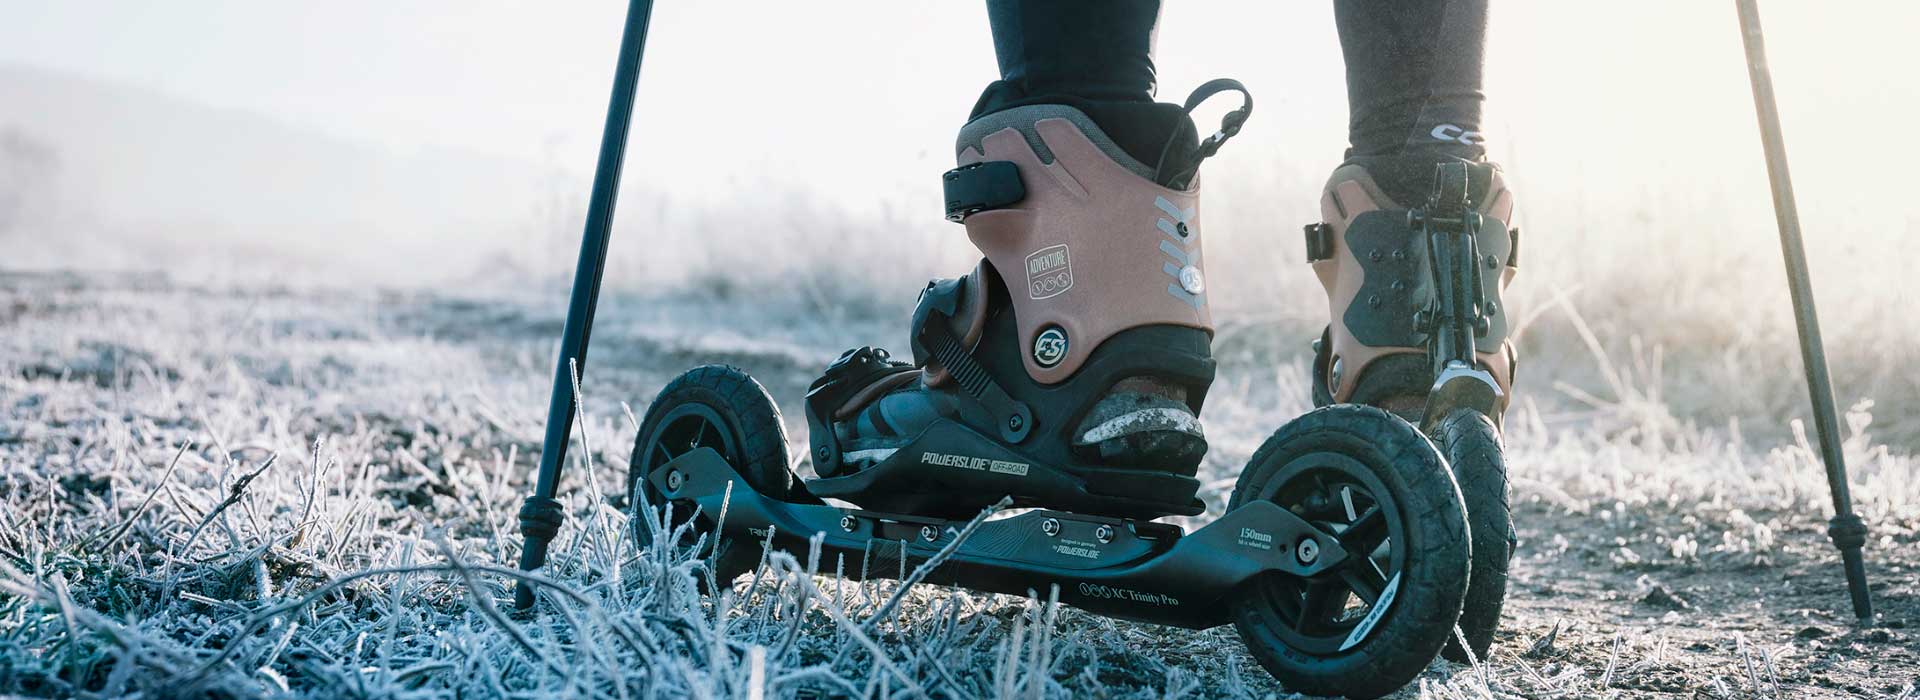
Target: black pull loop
x=1229 y=124
x=1177 y=175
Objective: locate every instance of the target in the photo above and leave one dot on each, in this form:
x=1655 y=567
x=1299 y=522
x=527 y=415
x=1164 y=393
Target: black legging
x=1413 y=66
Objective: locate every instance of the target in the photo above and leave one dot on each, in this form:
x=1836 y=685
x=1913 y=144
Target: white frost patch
x=874 y=456
x=1141 y=421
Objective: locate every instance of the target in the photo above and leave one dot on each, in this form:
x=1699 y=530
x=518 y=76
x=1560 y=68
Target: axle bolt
x=848 y=523
x=1104 y=533
x=675 y=480
x=1015 y=421
x=1050 y=527
x=929 y=533
x=823 y=451
x=1308 y=550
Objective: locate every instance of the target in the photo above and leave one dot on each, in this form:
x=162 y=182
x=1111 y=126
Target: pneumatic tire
x=1471 y=444
x=719 y=407
x=1373 y=481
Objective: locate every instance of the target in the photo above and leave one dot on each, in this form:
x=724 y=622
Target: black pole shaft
x=541 y=515
x=1849 y=533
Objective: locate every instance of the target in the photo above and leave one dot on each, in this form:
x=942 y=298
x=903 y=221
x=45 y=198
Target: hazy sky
x=859 y=99
x=765 y=86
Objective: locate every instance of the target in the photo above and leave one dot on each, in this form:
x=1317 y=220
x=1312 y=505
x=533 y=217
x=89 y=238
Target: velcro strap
x=1319 y=242
x=977 y=187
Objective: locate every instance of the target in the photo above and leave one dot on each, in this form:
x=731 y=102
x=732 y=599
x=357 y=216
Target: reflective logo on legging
x=1453 y=132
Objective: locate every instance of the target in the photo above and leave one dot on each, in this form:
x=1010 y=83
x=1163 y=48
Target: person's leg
x=1093 y=55
x=1413 y=85
x=1081 y=341
x=1100 y=50
x=1414 y=98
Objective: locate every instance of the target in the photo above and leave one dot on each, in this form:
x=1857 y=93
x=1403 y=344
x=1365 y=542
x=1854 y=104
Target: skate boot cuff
x=1023 y=119
x=1157 y=141
x=1406 y=179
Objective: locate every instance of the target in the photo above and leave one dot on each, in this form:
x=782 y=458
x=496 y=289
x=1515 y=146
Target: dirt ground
x=1652 y=561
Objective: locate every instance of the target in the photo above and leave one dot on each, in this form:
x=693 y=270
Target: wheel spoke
x=1365 y=579
x=664 y=452
x=1318 y=605
x=700 y=432
x=1365 y=531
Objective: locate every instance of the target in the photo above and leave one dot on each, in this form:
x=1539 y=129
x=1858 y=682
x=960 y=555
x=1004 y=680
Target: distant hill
x=101 y=174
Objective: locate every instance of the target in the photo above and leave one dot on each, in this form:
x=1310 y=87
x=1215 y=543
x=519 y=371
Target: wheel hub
x=1308 y=550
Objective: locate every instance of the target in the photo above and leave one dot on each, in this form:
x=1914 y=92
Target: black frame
x=1127 y=569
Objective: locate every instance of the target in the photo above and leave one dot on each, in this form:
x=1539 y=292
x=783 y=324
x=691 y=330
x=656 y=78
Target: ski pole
x=541 y=515
x=1848 y=532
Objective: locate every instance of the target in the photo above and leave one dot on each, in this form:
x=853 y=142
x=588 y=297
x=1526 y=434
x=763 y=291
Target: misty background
x=421 y=143
x=337 y=237
x=784 y=161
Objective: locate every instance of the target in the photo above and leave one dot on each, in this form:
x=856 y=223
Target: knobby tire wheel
x=714 y=406
x=1471 y=445
x=1371 y=625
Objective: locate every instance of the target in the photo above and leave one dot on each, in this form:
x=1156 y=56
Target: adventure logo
x=1049 y=272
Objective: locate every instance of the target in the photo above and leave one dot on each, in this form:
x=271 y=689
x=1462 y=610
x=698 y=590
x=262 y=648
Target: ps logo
x=1050 y=347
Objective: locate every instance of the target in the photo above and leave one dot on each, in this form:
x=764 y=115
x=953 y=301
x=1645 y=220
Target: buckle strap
x=977 y=187
x=1013 y=417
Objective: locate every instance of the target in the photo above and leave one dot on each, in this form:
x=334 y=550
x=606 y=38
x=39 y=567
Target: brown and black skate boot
x=1383 y=290
x=1068 y=369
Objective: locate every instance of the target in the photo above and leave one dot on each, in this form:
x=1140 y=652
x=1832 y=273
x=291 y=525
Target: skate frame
x=1128 y=569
